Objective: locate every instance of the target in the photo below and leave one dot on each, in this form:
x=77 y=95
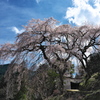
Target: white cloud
x=84 y=11
x=16 y=30
x=38 y=1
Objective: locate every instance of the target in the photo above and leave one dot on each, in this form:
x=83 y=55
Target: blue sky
x=15 y=13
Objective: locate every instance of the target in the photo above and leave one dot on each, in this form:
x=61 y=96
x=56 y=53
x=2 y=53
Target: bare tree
x=87 y=41
x=41 y=40
x=44 y=41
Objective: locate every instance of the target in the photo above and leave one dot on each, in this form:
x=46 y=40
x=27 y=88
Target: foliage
x=92 y=84
x=93 y=96
x=22 y=93
x=14 y=77
x=3 y=69
x=72 y=69
x=44 y=80
x=2 y=89
x=60 y=97
x=52 y=75
x=94 y=63
x=53 y=80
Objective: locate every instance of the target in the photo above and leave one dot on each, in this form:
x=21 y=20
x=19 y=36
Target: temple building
x=71 y=83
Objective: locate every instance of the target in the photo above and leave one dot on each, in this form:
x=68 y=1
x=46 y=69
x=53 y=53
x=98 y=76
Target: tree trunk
x=61 y=84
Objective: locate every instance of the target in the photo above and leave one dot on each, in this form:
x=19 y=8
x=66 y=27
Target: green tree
x=94 y=63
x=22 y=93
